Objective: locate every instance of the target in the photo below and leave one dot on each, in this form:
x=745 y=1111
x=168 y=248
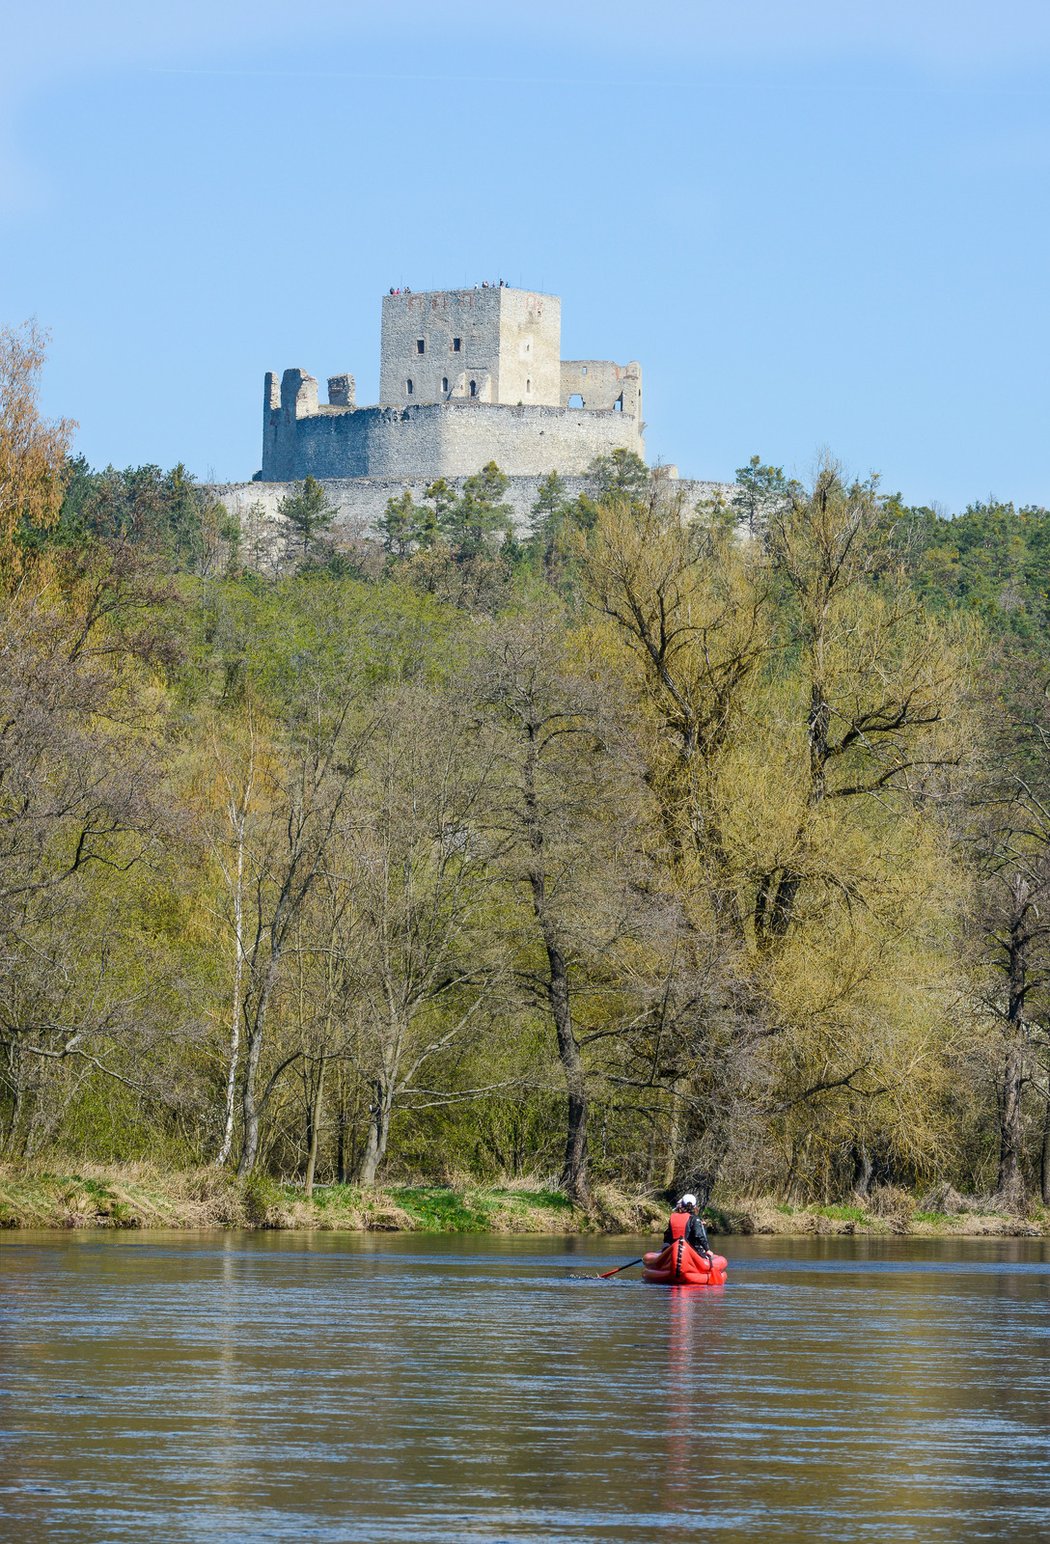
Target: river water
x=239 y=1387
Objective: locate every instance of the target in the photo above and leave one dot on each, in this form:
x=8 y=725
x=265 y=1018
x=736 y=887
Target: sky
x=821 y=227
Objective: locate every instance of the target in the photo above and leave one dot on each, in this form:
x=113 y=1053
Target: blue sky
x=818 y=225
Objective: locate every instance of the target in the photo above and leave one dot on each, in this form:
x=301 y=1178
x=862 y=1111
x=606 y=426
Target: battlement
x=448 y=358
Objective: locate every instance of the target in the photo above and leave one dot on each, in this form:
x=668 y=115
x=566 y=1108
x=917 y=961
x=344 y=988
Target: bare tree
x=306 y=802
x=569 y=799
x=415 y=862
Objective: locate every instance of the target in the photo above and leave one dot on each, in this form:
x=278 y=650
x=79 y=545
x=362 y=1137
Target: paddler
x=686 y=1222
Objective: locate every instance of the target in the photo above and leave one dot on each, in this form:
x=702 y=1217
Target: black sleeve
x=697 y=1234
x=667 y=1234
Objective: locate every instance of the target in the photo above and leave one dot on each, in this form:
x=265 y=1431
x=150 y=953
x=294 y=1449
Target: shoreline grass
x=139 y=1195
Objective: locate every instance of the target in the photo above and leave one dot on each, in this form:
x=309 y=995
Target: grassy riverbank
x=139 y=1196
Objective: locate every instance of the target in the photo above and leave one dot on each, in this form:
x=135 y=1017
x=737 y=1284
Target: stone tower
x=493 y=344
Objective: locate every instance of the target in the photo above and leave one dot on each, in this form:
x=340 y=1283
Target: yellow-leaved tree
x=32 y=450
x=799 y=719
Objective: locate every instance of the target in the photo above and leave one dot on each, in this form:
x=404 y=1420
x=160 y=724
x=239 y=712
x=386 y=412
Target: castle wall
x=466 y=377
x=284 y=407
x=361 y=502
x=444 y=440
x=602 y=384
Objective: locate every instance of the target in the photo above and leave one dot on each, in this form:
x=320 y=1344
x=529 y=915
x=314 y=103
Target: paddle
x=604 y=1275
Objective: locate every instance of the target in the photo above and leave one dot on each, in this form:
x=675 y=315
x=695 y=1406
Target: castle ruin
x=466 y=377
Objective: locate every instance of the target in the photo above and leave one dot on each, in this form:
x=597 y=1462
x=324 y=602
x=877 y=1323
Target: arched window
x=444 y=383
x=409 y=388
x=528 y=385
x=618 y=404
x=473 y=388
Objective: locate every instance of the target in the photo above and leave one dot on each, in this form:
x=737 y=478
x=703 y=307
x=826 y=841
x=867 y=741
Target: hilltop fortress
x=466 y=377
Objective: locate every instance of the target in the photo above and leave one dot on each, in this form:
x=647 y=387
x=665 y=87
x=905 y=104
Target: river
x=239 y=1387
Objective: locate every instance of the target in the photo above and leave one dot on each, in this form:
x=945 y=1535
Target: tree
x=478 y=520
x=547 y=507
x=694 y=616
x=760 y=491
x=880 y=676
x=1012 y=848
x=620 y=475
x=308 y=513
x=414 y=864
x=560 y=850
x=558 y=541
x=783 y=697
x=305 y=807
x=229 y=843
x=81 y=808
x=399 y=527
x=32 y=450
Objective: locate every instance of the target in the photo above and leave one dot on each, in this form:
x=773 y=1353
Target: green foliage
x=760 y=491
x=308 y=513
x=262 y=1199
x=992 y=561
x=400 y=527
x=727 y=788
x=166 y=514
x=621 y=474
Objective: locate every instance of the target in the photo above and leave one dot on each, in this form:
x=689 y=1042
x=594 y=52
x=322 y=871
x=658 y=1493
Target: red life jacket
x=677 y=1222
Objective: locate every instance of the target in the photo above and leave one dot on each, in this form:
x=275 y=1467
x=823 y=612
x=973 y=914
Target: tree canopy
x=650 y=844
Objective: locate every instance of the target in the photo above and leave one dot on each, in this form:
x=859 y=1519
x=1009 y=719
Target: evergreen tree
x=760 y=491
x=308 y=513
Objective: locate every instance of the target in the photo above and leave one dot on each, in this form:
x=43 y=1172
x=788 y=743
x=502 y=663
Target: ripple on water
x=232 y=1387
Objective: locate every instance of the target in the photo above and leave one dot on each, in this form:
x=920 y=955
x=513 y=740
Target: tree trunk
x=379 y=1110
x=249 y=1101
x=250 y=1109
x=862 y=1168
x=674 y=1139
x=1045 y=1166
x=1010 y=1182
x=314 y=1121
x=238 y=816
x=342 y=1168
x=574 y=1176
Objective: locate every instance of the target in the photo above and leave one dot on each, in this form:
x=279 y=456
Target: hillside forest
x=656 y=845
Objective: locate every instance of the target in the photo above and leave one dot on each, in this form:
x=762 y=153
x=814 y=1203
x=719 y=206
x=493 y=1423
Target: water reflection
x=239 y=1387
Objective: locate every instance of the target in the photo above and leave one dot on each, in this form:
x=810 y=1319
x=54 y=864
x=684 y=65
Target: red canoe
x=679 y=1265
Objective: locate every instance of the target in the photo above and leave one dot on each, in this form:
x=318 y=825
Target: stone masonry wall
x=443 y=440
x=600 y=384
x=361 y=501
x=483 y=345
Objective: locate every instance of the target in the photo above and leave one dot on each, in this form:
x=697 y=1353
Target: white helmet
x=688 y=1200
